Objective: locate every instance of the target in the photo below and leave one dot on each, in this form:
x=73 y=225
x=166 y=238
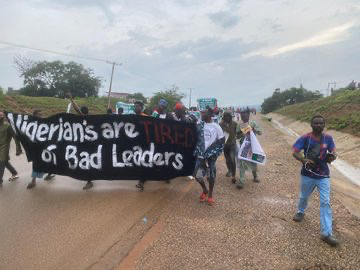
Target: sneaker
x=13 y=177
x=298 y=217
x=190 y=177
x=228 y=174
x=203 y=197
x=240 y=186
x=88 y=185
x=211 y=201
x=331 y=240
x=256 y=180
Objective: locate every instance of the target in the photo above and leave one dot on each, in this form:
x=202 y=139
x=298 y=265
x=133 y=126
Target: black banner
x=107 y=147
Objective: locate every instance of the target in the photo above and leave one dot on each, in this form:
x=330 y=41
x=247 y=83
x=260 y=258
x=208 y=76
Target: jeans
x=7 y=165
x=230 y=155
x=323 y=186
x=200 y=171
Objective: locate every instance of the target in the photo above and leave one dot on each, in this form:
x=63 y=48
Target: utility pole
x=190 y=98
x=111 y=79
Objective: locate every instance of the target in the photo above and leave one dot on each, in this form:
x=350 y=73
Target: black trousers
x=7 y=165
x=230 y=158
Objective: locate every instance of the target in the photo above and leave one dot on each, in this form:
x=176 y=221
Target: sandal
x=203 y=197
x=211 y=201
x=49 y=177
x=13 y=177
x=31 y=185
x=140 y=186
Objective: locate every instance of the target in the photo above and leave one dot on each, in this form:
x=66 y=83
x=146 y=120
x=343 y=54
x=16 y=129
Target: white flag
x=251 y=149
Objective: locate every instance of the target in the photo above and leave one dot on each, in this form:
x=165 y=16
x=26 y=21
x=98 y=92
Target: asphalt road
x=58 y=225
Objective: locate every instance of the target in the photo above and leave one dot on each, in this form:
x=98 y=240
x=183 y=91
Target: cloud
x=224 y=18
x=329 y=36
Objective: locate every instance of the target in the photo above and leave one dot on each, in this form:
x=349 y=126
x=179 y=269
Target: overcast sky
x=238 y=51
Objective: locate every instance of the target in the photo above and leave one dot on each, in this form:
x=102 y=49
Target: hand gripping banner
x=107 y=147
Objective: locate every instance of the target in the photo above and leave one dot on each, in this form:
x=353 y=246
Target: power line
x=55 y=52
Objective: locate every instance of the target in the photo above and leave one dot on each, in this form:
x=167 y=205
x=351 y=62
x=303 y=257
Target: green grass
x=50 y=106
x=341 y=111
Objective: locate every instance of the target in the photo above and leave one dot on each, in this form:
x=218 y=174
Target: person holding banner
x=6 y=134
x=210 y=145
x=139 y=108
x=83 y=110
x=34 y=174
x=161 y=111
x=319 y=151
x=243 y=132
x=229 y=127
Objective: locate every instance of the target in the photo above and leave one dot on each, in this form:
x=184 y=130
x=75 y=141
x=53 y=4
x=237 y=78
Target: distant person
x=229 y=127
x=209 y=146
x=245 y=165
x=6 y=134
x=109 y=111
x=161 y=112
x=35 y=174
x=120 y=111
x=148 y=111
x=83 y=110
x=319 y=151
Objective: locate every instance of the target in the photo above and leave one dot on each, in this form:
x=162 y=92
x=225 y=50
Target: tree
x=172 y=96
x=1 y=92
x=288 y=97
x=138 y=96
x=54 y=79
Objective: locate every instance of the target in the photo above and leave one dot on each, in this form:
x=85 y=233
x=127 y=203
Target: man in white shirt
x=210 y=145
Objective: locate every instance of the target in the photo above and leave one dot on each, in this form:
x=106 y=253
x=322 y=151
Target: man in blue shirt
x=319 y=150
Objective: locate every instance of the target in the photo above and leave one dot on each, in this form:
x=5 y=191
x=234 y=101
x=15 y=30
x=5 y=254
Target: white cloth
x=212 y=132
x=251 y=150
x=162 y=116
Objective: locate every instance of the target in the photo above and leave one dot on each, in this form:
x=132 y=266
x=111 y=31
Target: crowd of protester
x=220 y=130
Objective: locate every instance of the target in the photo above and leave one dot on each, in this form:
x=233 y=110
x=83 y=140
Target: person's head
x=120 y=111
x=139 y=107
x=193 y=118
x=179 y=110
x=109 y=111
x=37 y=113
x=84 y=110
x=227 y=117
x=244 y=116
x=162 y=106
x=207 y=114
x=318 y=124
x=2 y=116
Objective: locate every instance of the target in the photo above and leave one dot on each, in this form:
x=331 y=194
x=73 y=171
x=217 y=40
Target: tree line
x=54 y=79
x=287 y=97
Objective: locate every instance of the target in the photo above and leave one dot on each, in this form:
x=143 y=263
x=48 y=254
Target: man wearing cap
x=161 y=111
x=209 y=146
x=180 y=114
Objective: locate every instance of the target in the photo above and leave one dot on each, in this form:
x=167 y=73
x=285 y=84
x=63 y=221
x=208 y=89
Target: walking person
x=229 y=128
x=139 y=110
x=6 y=134
x=83 y=110
x=242 y=130
x=210 y=145
x=35 y=174
x=319 y=151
